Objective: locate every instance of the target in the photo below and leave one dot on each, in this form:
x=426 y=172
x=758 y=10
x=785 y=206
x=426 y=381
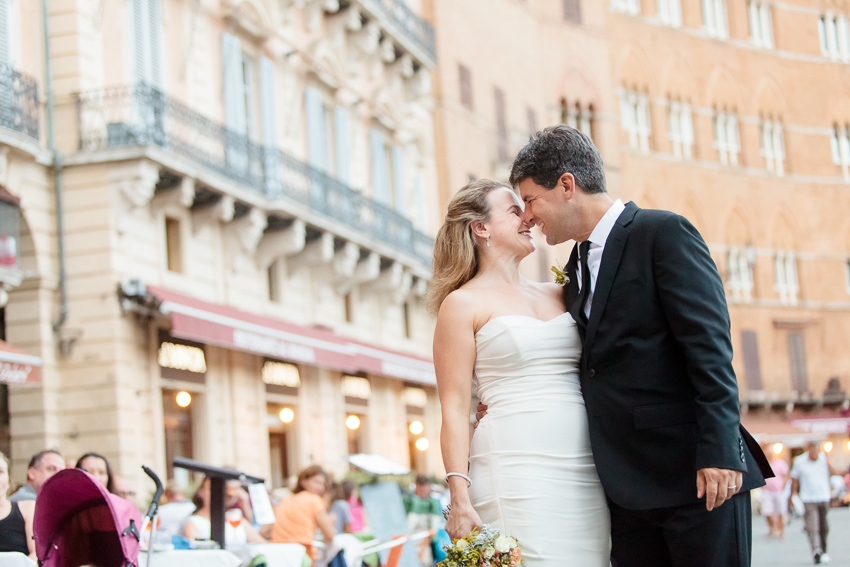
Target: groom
x=656 y=368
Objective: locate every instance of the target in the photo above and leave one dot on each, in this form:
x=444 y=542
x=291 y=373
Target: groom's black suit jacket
x=656 y=369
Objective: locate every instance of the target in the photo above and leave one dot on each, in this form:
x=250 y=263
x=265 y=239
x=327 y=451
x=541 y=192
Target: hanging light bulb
x=352 y=422
x=777 y=448
x=422 y=444
x=183 y=399
x=286 y=415
x=416 y=427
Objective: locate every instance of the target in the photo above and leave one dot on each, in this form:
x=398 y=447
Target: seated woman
x=198 y=525
x=298 y=517
x=15 y=518
x=96 y=465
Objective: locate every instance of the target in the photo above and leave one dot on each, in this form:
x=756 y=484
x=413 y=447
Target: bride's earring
x=488 y=241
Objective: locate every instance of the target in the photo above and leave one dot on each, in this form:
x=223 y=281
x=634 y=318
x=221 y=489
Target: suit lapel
x=611 y=257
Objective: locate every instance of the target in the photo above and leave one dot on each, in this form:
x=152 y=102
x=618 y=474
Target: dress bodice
x=526 y=357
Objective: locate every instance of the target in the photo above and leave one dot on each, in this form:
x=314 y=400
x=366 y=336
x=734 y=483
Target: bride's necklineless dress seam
x=541 y=321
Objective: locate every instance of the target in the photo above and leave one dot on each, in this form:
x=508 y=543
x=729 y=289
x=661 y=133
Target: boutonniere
x=561 y=277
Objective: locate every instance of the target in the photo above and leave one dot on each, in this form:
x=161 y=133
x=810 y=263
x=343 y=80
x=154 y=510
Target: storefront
x=321 y=397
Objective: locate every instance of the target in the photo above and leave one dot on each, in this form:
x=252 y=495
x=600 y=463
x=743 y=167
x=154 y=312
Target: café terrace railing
x=18 y=102
x=412 y=26
x=141 y=115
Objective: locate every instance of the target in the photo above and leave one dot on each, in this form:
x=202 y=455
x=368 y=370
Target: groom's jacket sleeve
x=693 y=300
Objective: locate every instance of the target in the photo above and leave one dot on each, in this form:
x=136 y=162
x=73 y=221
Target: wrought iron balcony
x=18 y=102
x=141 y=115
x=401 y=19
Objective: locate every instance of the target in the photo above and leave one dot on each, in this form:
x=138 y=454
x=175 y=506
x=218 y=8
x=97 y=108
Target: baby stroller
x=77 y=522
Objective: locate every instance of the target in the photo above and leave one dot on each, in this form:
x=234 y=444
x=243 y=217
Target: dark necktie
x=583 y=250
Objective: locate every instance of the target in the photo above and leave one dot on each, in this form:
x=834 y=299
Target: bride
x=529 y=468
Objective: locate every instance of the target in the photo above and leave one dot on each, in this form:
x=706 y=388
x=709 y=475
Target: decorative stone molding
x=368 y=269
x=314 y=11
x=366 y=40
x=134 y=190
x=419 y=289
x=281 y=243
x=219 y=212
x=344 y=265
x=243 y=235
x=342 y=23
x=394 y=283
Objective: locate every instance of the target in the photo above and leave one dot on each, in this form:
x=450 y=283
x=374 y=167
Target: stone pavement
x=794 y=550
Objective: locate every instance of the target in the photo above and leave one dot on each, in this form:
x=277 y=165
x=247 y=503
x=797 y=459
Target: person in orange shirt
x=298 y=517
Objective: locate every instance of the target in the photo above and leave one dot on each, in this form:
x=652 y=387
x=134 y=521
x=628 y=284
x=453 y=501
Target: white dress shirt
x=597 y=246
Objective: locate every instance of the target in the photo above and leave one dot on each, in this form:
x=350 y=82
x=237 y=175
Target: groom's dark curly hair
x=557 y=150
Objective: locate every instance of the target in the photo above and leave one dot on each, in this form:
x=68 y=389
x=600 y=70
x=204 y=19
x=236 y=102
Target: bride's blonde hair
x=455 y=249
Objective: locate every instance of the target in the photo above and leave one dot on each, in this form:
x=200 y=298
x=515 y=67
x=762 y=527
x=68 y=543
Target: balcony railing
x=141 y=115
x=18 y=102
x=412 y=26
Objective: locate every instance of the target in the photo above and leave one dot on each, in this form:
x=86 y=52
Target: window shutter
x=155 y=38
x=141 y=47
x=732 y=137
x=315 y=129
x=835 y=145
x=501 y=123
x=269 y=120
x=398 y=180
x=247 y=94
x=708 y=15
x=797 y=359
x=234 y=100
x=844 y=144
x=766 y=26
x=421 y=205
x=752 y=363
x=843 y=40
x=379 y=166
x=343 y=145
x=675 y=12
x=5 y=32
x=687 y=129
x=791 y=275
x=625 y=112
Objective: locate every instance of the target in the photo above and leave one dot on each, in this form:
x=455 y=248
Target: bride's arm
x=454 y=360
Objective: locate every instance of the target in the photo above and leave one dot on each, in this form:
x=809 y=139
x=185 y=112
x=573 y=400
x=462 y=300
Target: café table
x=190 y=558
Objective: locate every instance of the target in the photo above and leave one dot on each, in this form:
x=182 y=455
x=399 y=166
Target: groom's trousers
x=683 y=536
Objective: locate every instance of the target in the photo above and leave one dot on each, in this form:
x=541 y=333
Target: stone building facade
x=247 y=194
x=733 y=113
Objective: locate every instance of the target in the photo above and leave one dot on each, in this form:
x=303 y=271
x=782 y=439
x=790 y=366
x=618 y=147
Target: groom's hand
x=480 y=412
x=718 y=486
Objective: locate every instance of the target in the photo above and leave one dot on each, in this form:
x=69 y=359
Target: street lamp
x=827 y=447
x=183 y=399
x=286 y=415
x=777 y=448
x=422 y=444
x=352 y=422
x=416 y=427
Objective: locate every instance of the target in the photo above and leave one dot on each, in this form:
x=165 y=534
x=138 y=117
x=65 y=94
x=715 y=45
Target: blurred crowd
x=323 y=515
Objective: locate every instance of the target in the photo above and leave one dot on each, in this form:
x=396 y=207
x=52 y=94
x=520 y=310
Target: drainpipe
x=57 y=176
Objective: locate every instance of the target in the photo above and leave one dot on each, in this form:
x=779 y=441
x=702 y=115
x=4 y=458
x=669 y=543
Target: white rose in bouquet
x=462 y=544
x=488 y=552
x=503 y=544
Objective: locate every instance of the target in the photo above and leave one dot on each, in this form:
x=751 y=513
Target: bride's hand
x=462 y=519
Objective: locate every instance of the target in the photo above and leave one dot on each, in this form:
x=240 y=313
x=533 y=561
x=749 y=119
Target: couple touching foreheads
x=609 y=428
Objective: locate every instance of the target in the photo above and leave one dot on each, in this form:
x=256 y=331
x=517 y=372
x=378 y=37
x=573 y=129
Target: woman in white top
x=198 y=524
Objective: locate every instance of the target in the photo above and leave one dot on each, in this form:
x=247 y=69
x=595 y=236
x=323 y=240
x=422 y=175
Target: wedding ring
x=733 y=487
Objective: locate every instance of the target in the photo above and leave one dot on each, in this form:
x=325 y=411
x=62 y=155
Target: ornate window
x=681 y=129
x=636 y=122
x=840 y=143
x=670 y=12
x=714 y=18
x=785 y=276
x=631 y=7
x=740 y=263
x=761 y=29
x=773 y=146
x=834 y=37
x=727 y=139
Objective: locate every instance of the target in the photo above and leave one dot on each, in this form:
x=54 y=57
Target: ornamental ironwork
x=18 y=102
x=397 y=14
x=142 y=115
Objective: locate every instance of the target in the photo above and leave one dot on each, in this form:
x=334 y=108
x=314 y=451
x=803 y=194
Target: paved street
x=794 y=550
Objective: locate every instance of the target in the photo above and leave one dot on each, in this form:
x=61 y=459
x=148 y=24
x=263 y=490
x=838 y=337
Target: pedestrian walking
x=810 y=477
x=774 y=504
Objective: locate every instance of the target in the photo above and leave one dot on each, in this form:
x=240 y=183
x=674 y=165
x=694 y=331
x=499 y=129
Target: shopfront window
x=282 y=421
x=177 y=416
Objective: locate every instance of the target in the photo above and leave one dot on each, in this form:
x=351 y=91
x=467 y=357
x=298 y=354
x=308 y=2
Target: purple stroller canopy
x=77 y=522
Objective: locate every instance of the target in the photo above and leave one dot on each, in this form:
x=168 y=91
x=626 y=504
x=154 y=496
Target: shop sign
x=356 y=387
x=182 y=357
x=13 y=373
x=271 y=346
x=281 y=374
x=823 y=425
x=415 y=397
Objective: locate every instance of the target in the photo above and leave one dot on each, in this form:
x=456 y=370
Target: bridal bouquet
x=483 y=547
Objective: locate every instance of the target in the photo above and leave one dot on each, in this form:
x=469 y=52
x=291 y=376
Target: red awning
x=227 y=327
x=17 y=367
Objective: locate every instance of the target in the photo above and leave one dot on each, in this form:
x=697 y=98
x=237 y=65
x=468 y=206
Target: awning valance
x=231 y=328
x=17 y=367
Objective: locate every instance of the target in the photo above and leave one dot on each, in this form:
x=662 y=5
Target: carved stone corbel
x=401 y=68
x=368 y=269
x=134 y=191
x=315 y=10
x=219 y=212
x=367 y=39
x=243 y=236
x=344 y=265
x=316 y=253
x=342 y=23
x=180 y=196
x=393 y=282
x=419 y=289
x=281 y=243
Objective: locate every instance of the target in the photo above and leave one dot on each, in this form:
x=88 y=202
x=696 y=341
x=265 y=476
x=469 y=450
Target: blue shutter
x=315 y=129
x=398 y=180
x=379 y=166
x=343 y=145
x=155 y=37
x=234 y=103
x=140 y=39
x=5 y=32
x=269 y=120
x=421 y=205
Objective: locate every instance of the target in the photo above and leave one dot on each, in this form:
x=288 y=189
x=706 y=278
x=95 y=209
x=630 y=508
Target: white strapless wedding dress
x=532 y=470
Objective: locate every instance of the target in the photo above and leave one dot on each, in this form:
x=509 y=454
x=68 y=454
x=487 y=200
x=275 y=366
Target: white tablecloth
x=14 y=559
x=190 y=558
x=276 y=554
